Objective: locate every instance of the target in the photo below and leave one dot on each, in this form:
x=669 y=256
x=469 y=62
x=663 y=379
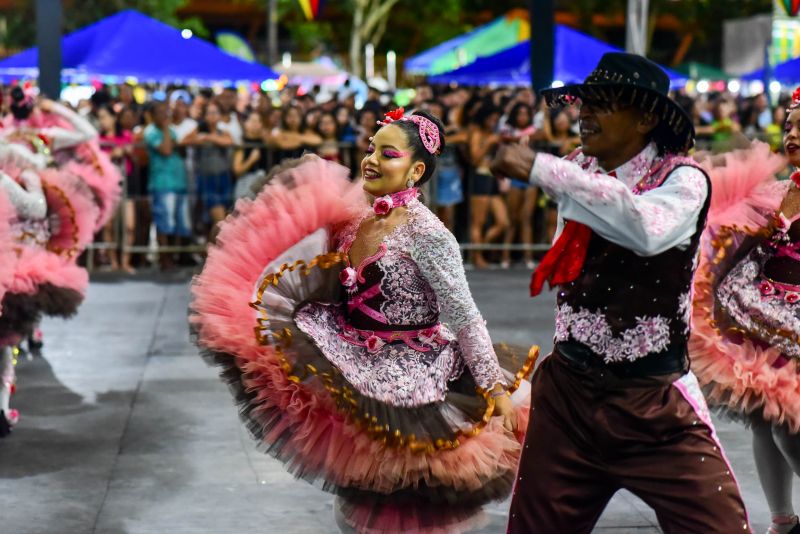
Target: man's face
x=607 y=130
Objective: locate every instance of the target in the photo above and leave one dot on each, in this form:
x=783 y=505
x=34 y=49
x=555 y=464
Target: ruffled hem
x=739 y=377
x=70 y=201
x=102 y=176
x=411 y=518
x=7 y=254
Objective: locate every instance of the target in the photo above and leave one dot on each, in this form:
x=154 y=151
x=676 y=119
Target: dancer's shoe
x=7 y=422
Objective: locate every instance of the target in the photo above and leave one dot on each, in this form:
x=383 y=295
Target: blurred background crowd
x=197 y=152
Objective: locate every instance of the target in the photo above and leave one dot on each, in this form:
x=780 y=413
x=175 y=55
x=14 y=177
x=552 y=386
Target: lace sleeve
x=439 y=259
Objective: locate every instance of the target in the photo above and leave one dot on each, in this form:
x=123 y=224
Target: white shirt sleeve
x=648 y=224
x=64 y=138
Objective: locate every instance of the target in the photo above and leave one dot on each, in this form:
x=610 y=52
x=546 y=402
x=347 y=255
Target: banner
x=785 y=31
x=311 y=8
x=745 y=42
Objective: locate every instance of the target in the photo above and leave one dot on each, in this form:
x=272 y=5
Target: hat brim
x=675 y=131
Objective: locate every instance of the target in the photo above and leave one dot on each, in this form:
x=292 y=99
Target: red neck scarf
x=564 y=261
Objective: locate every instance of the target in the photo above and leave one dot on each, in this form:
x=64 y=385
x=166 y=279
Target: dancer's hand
x=513 y=161
x=503 y=407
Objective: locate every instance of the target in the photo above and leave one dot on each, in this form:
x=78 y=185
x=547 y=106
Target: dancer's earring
x=410 y=183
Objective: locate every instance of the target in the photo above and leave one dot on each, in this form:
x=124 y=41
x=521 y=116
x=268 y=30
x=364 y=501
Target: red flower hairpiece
x=795 y=99
x=394 y=115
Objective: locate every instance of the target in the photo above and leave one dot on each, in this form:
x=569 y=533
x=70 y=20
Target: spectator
x=183 y=124
x=485 y=194
x=449 y=174
x=229 y=121
x=117 y=142
x=167 y=183
x=774 y=131
x=521 y=197
x=198 y=107
x=367 y=126
x=291 y=139
x=311 y=119
x=213 y=166
x=327 y=130
x=347 y=132
x=250 y=160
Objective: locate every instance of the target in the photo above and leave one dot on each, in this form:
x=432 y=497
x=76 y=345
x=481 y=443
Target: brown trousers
x=592 y=433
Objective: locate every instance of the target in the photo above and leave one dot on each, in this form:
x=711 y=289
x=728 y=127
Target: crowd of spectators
x=187 y=156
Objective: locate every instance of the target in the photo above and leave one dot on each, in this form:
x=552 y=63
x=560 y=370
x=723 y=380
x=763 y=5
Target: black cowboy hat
x=621 y=77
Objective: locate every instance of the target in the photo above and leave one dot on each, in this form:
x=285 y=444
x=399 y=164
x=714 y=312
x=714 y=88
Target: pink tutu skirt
x=744 y=372
x=424 y=468
x=45 y=280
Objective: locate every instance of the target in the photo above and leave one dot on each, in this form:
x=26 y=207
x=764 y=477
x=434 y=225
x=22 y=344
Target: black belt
x=672 y=360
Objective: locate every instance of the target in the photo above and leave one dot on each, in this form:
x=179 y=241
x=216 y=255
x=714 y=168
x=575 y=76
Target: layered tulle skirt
x=742 y=331
x=267 y=310
x=41 y=276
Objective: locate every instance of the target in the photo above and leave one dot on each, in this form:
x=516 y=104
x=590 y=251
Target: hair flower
x=791 y=297
x=394 y=115
x=795 y=98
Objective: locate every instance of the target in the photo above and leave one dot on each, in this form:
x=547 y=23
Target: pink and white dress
x=746 y=307
x=372 y=379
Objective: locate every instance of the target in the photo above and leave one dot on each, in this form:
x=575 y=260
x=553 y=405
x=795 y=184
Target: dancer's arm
x=439 y=259
x=29 y=201
x=648 y=224
x=21 y=156
x=62 y=137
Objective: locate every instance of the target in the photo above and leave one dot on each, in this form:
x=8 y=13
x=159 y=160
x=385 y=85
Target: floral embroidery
x=393 y=373
x=423 y=277
x=755 y=305
x=409 y=297
x=650 y=335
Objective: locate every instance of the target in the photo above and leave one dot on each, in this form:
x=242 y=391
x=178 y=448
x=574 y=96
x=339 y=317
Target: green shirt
x=167 y=173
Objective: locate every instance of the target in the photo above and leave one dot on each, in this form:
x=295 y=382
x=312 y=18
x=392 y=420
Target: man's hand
x=514 y=161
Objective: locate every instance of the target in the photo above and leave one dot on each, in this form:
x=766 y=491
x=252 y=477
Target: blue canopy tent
x=787 y=72
x=576 y=56
x=130 y=44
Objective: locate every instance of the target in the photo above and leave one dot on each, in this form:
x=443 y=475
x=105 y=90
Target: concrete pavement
x=125 y=430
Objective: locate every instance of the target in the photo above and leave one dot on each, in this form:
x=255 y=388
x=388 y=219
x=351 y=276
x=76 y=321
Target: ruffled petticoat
x=400 y=433
x=45 y=278
x=743 y=345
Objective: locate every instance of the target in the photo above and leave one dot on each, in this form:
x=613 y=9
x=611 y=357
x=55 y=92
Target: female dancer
x=339 y=356
x=50 y=220
x=744 y=346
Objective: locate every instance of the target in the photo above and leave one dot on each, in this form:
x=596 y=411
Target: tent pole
x=543 y=47
x=48 y=39
x=272 y=32
x=636 y=27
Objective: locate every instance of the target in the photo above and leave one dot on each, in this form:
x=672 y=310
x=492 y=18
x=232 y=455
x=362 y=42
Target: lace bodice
x=422 y=278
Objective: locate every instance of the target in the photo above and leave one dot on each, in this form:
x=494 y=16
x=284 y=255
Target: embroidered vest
x=624 y=306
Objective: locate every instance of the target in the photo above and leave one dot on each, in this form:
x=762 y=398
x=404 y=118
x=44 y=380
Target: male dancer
x=615 y=406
